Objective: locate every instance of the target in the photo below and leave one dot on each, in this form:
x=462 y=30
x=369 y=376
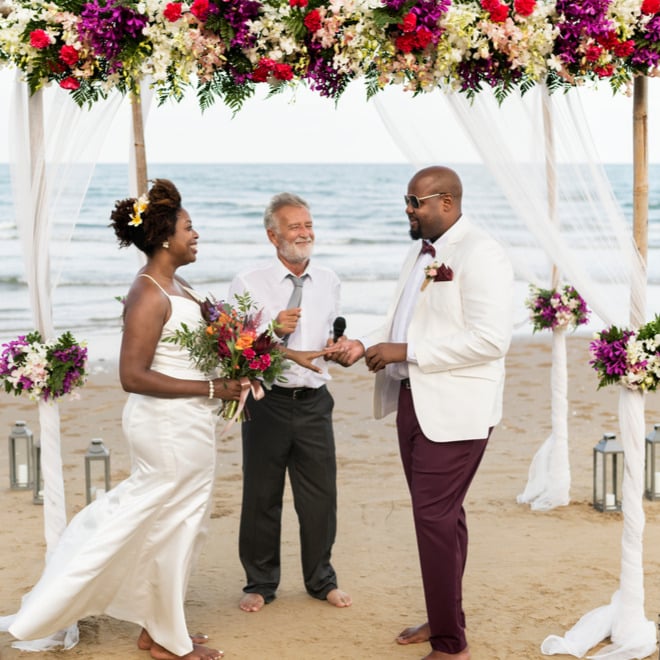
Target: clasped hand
x=348 y=351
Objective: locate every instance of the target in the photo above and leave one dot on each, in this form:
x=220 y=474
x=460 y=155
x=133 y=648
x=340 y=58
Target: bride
x=130 y=553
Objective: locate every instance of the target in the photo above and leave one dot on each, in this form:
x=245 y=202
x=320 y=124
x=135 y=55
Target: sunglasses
x=416 y=202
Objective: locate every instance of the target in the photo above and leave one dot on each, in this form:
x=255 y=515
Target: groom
x=439 y=361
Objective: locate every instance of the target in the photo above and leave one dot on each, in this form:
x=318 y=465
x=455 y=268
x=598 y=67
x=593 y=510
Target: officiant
x=290 y=430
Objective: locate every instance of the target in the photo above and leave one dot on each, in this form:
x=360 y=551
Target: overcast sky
x=304 y=127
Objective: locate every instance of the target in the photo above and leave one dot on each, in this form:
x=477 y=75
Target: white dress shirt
x=404 y=312
x=271 y=289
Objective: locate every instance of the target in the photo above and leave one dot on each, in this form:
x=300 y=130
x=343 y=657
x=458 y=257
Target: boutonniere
x=436 y=272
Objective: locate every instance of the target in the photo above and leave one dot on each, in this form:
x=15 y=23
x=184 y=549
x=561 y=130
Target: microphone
x=338 y=327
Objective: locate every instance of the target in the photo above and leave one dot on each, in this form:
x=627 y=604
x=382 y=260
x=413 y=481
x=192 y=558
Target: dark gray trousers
x=294 y=434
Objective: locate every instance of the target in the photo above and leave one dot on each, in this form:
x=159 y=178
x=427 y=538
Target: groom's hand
x=380 y=355
x=345 y=351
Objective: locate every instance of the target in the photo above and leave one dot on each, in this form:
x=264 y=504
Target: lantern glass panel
x=652 y=464
x=608 y=474
x=20 y=457
x=97 y=470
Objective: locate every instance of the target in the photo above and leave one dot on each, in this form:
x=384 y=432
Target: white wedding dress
x=129 y=554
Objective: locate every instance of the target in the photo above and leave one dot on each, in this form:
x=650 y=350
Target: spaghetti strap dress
x=129 y=554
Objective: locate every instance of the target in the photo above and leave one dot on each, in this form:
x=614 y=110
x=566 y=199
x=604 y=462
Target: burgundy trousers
x=439 y=475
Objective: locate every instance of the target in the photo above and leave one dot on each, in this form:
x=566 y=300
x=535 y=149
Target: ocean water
x=360 y=225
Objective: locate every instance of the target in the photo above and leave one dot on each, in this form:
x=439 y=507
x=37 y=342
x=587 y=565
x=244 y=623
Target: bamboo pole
x=138 y=143
x=640 y=189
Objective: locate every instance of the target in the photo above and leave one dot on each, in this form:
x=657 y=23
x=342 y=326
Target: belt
x=297 y=392
x=406 y=383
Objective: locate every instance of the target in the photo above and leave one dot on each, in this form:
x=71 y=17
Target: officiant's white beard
x=297 y=252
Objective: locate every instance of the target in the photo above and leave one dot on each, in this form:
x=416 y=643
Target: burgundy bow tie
x=427 y=248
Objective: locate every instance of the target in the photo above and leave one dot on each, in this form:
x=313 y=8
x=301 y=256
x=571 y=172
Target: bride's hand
x=227 y=389
x=304 y=358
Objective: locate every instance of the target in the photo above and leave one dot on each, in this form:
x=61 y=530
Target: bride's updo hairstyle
x=149 y=220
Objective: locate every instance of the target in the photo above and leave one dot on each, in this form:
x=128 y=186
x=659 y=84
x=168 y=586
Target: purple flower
x=108 y=27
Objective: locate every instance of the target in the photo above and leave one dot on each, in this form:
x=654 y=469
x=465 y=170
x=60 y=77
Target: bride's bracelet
x=211 y=390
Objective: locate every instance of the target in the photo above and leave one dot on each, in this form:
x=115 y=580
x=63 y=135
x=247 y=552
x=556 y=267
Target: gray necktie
x=296 y=297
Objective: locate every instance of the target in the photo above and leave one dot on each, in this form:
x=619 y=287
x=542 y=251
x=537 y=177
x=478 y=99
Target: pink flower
x=172 y=11
x=70 y=83
x=249 y=353
x=68 y=55
x=409 y=23
x=524 y=7
x=39 y=39
x=200 y=9
x=313 y=20
x=265 y=361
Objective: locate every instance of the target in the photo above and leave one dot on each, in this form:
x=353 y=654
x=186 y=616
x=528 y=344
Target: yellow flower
x=139 y=207
x=245 y=340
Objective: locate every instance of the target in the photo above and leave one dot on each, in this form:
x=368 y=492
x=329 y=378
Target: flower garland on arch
x=627 y=357
x=556 y=308
x=227 y=47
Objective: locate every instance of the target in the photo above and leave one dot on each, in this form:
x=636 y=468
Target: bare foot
x=252 y=602
x=144 y=640
x=339 y=598
x=439 y=655
x=415 y=634
x=199 y=652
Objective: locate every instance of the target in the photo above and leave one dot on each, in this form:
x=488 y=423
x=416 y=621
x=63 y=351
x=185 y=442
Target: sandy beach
x=529 y=574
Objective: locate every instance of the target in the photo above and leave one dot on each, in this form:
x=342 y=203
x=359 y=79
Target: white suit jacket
x=460 y=332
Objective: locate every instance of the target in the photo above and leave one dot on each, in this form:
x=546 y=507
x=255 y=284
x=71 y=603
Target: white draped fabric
x=511 y=143
x=54 y=146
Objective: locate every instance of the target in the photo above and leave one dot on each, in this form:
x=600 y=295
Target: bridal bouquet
x=227 y=343
x=629 y=358
x=556 y=308
x=42 y=370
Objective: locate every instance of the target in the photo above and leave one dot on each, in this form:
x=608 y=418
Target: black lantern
x=38 y=486
x=97 y=456
x=20 y=457
x=652 y=454
x=608 y=474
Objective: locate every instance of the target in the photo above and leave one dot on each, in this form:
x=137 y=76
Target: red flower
x=313 y=20
x=604 y=71
x=200 y=9
x=298 y=3
x=524 y=7
x=68 y=55
x=249 y=353
x=39 y=39
x=406 y=42
x=70 y=83
x=624 y=48
x=261 y=73
x=172 y=11
x=650 y=6
x=263 y=342
x=409 y=23
x=499 y=14
x=423 y=38
x=608 y=41
x=282 y=71
x=593 y=53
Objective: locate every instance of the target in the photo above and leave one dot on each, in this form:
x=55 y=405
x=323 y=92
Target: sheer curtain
x=539 y=151
x=54 y=147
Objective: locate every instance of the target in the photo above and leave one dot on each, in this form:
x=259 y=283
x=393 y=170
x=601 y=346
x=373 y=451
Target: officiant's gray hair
x=279 y=201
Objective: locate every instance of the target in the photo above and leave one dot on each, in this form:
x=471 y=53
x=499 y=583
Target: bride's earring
x=166 y=244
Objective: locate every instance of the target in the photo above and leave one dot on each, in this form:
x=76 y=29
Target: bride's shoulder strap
x=154 y=281
x=194 y=294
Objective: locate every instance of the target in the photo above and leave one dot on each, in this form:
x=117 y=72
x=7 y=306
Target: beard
x=296 y=252
x=415 y=234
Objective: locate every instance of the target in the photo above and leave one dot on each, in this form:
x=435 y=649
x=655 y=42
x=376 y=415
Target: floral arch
x=223 y=49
